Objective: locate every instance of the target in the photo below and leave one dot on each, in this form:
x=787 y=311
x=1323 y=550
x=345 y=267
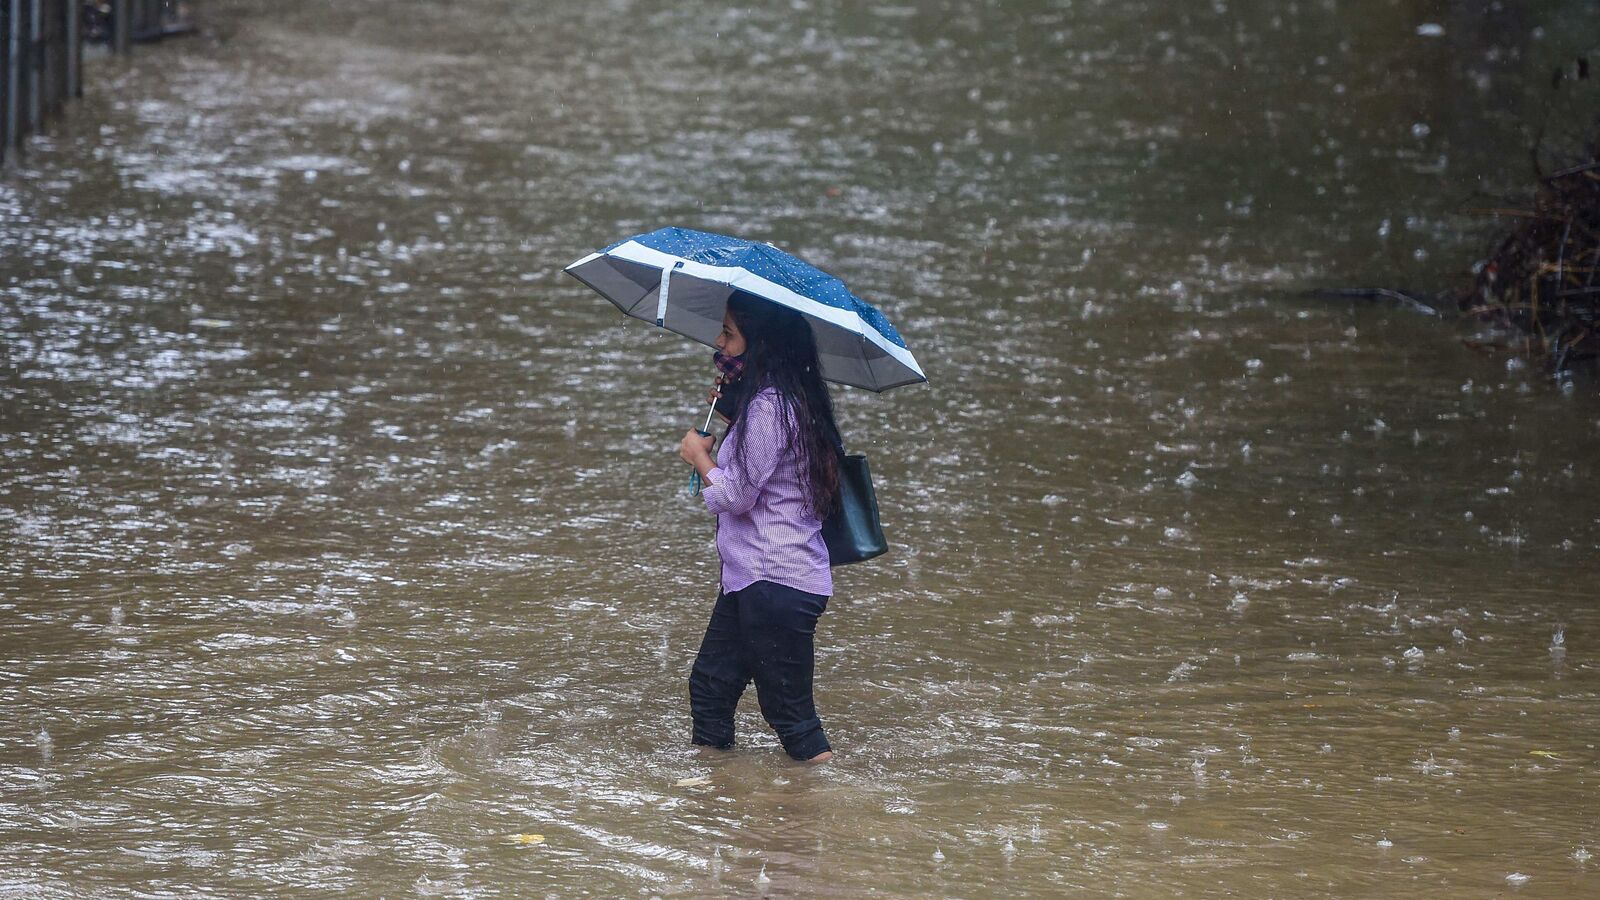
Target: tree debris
x=1537 y=290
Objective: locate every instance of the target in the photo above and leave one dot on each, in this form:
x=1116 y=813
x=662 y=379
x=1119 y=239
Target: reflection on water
x=344 y=540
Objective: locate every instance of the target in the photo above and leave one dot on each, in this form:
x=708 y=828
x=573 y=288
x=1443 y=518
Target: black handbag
x=853 y=533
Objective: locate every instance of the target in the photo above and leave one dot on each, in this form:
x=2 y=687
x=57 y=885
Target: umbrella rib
x=633 y=307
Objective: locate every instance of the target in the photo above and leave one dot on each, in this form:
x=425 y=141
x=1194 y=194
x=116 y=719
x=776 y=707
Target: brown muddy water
x=343 y=539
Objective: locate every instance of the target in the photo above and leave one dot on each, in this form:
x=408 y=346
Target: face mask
x=730 y=367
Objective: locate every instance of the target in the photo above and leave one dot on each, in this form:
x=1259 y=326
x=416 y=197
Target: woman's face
x=730 y=341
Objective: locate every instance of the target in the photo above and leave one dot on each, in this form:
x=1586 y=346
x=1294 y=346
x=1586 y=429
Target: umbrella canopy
x=681 y=279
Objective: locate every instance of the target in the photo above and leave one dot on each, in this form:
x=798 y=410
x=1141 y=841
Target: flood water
x=343 y=538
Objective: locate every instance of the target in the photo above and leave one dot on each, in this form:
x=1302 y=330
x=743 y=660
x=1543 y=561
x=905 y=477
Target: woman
x=773 y=482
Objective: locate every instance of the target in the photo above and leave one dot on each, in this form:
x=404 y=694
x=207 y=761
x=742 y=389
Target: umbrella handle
x=703 y=431
x=694 y=478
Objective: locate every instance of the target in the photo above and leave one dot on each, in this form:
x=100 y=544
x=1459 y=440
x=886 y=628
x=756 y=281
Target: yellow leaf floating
x=1547 y=754
x=693 y=782
x=528 y=839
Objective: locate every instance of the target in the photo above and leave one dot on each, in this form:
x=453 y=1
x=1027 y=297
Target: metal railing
x=41 y=53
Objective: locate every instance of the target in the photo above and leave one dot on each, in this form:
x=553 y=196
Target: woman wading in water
x=772 y=483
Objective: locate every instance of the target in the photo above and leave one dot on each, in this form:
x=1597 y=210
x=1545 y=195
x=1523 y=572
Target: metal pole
x=43 y=61
x=35 y=71
x=8 y=82
x=58 y=55
x=74 y=16
x=120 y=30
x=49 y=29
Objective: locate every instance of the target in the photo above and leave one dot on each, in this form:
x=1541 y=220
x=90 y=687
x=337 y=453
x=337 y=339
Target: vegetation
x=1537 y=289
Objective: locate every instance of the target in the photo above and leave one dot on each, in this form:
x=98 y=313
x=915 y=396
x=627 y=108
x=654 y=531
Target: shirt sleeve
x=736 y=483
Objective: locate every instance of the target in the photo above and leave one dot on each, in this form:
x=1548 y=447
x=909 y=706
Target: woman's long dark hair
x=781 y=353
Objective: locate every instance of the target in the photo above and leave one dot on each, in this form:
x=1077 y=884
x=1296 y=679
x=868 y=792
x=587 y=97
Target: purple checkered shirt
x=763 y=530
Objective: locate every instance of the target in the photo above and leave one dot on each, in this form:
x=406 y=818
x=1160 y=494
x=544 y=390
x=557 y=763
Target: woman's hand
x=714 y=396
x=696 y=451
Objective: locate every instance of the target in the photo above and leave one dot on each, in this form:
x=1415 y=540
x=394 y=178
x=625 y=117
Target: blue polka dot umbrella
x=681 y=279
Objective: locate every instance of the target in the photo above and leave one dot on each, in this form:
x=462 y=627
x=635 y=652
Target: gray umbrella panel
x=695 y=305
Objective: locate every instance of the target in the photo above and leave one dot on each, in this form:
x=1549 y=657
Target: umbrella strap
x=666 y=288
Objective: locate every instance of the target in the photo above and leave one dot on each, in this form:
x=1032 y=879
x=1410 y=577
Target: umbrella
x=681 y=279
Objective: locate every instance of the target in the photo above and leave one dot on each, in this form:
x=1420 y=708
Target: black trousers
x=762 y=633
